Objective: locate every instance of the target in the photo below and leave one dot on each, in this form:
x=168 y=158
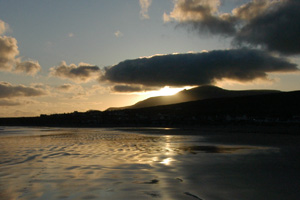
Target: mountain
x=281 y=104
x=194 y=94
x=281 y=109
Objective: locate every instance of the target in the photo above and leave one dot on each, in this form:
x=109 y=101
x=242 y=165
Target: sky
x=73 y=55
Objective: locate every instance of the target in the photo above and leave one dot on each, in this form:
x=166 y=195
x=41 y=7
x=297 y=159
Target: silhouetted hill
x=273 y=105
x=198 y=93
x=281 y=109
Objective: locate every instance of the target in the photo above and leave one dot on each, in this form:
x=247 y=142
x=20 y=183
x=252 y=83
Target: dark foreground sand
x=148 y=163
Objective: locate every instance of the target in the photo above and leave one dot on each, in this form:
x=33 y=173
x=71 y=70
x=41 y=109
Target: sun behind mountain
x=167 y=91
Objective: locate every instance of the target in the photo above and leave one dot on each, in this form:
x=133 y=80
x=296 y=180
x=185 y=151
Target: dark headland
x=206 y=107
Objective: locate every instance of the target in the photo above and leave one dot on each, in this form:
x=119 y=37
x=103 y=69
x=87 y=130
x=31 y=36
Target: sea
x=38 y=163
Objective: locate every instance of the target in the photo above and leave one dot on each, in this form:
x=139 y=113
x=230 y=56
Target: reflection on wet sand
x=113 y=164
x=215 y=149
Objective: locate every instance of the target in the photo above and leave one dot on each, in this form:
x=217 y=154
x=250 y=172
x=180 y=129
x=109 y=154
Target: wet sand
x=148 y=163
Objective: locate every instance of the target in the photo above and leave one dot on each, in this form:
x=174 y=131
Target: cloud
x=253 y=9
x=8 y=90
x=28 y=67
x=8 y=52
x=3 y=27
x=132 y=88
x=6 y=102
x=82 y=73
x=40 y=86
x=197 y=68
x=118 y=34
x=8 y=55
x=276 y=29
x=271 y=24
x=70 y=91
x=65 y=87
x=69 y=88
x=145 y=4
x=202 y=15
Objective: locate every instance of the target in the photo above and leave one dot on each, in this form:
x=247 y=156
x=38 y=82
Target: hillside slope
x=198 y=93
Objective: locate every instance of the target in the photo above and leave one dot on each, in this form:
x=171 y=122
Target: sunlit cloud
x=65 y=87
x=8 y=52
x=270 y=24
x=84 y=72
x=192 y=69
x=253 y=9
x=9 y=102
x=145 y=4
x=8 y=56
x=29 y=67
x=118 y=34
x=3 y=27
x=193 y=10
x=9 y=60
x=70 y=88
x=56 y=99
x=99 y=89
x=202 y=15
x=224 y=83
x=70 y=91
x=8 y=90
x=40 y=86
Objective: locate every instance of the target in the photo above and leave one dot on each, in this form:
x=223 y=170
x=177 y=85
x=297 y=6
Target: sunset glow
x=166 y=91
x=149 y=99
x=76 y=55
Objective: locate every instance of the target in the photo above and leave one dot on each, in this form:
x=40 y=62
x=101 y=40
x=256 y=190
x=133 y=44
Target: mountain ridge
x=194 y=94
x=273 y=110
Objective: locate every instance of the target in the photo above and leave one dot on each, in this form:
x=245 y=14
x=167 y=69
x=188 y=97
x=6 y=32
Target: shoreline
x=284 y=129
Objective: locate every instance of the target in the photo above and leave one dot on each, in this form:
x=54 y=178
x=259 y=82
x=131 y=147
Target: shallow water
x=66 y=163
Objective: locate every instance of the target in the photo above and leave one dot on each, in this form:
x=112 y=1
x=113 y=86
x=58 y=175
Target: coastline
x=285 y=129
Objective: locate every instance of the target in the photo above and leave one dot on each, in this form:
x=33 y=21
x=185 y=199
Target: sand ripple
x=111 y=164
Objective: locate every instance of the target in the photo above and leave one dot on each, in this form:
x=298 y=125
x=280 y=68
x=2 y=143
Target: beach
x=147 y=163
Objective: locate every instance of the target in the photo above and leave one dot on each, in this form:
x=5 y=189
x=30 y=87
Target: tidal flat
x=147 y=163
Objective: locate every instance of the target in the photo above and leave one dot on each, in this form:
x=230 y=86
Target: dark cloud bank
x=271 y=24
x=196 y=68
x=278 y=29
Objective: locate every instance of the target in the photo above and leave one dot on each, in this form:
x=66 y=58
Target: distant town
x=274 y=109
